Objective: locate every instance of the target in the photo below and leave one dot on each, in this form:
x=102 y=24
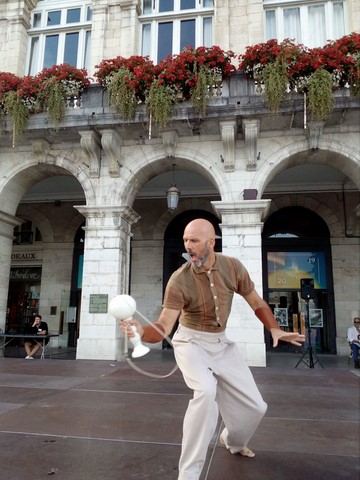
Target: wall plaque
x=98 y=303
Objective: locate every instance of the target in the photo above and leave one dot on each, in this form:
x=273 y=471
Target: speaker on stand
x=307 y=292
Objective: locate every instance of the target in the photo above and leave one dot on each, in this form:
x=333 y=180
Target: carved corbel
x=251 y=130
x=228 y=131
x=111 y=142
x=170 y=140
x=314 y=132
x=90 y=143
x=40 y=148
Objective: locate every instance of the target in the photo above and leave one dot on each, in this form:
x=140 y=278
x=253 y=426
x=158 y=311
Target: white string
x=140 y=370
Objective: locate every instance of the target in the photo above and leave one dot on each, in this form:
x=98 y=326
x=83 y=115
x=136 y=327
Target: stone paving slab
x=91 y=420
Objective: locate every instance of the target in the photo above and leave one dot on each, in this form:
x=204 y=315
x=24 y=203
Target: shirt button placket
x=215 y=296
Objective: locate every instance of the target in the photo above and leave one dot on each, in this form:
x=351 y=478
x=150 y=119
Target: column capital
x=242 y=212
x=110 y=216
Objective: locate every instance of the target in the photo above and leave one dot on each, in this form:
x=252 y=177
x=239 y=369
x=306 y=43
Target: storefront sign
x=25 y=274
x=32 y=256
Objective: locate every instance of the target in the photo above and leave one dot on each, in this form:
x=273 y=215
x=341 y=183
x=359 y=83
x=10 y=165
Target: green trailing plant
x=55 y=102
x=160 y=103
x=275 y=82
x=19 y=113
x=200 y=93
x=320 y=97
x=122 y=93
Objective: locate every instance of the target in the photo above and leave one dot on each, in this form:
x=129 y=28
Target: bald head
x=199 y=242
x=201 y=227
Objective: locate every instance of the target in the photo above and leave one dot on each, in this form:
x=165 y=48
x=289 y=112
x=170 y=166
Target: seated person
x=32 y=346
x=353 y=337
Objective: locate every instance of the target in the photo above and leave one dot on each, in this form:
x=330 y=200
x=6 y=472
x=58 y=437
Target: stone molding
x=251 y=132
x=170 y=140
x=90 y=143
x=112 y=142
x=228 y=132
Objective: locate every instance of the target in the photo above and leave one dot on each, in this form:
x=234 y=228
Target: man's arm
x=265 y=315
x=157 y=331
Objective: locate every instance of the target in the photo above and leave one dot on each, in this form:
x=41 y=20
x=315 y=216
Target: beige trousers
x=213 y=368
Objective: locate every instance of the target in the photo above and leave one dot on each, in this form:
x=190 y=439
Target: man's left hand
x=291 y=337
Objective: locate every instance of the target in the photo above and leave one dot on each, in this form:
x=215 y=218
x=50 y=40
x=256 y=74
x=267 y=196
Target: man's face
x=197 y=247
x=37 y=321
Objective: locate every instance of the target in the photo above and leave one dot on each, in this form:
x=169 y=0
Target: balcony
x=239 y=100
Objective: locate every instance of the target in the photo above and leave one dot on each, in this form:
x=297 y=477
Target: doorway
x=296 y=245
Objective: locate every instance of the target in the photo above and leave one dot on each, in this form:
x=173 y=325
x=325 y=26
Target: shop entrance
x=23 y=297
x=296 y=245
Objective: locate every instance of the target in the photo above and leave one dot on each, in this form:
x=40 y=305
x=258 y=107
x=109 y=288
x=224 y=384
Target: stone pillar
x=105 y=274
x=241 y=228
x=7 y=224
x=18 y=21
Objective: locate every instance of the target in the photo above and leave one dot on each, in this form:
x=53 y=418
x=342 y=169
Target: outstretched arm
x=156 y=332
x=265 y=315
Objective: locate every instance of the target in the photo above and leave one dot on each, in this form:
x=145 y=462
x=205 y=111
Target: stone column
x=241 y=228
x=105 y=274
x=7 y=224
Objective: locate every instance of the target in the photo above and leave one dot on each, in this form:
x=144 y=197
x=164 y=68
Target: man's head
x=199 y=242
x=37 y=319
x=357 y=321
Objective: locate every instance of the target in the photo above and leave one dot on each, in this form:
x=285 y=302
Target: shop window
x=60 y=32
x=307 y=23
x=168 y=26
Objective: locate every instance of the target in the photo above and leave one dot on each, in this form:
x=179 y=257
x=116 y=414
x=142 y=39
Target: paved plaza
x=97 y=420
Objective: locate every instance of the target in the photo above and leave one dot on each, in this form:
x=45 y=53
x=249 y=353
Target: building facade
x=83 y=212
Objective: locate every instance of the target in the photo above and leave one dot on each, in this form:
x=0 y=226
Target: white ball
x=122 y=306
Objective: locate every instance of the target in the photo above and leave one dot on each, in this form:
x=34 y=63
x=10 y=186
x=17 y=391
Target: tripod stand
x=309 y=351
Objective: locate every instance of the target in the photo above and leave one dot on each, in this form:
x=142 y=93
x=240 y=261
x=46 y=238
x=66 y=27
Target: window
x=309 y=23
x=60 y=32
x=26 y=234
x=168 y=26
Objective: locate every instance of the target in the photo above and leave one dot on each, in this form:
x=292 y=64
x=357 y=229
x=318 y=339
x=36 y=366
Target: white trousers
x=213 y=368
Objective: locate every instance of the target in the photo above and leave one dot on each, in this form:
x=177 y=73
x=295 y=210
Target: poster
x=281 y=316
x=316 y=317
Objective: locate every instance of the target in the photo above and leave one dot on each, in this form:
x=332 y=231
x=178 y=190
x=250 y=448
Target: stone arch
x=330 y=153
x=22 y=175
x=73 y=227
x=40 y=220
x=297 y=200
x=184 y=206
x=149 y=166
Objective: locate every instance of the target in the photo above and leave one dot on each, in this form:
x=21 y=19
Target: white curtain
x=270 y=24
x=207 y=32
x=339 y=27
x=317 y=32
x=146 y=40
x=292 y=27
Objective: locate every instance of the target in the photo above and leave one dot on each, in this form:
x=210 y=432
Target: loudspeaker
x=307 y=288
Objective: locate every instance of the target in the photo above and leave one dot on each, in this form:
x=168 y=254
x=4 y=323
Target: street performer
x=200 y=295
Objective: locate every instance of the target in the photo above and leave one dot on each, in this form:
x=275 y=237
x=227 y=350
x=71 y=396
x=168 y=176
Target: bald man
x=200 y=295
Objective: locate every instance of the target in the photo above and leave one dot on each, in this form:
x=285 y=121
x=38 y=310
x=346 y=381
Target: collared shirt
x=353 y=334
x=205 y=297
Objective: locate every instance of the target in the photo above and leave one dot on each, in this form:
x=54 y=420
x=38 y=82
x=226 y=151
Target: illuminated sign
x=285 y=269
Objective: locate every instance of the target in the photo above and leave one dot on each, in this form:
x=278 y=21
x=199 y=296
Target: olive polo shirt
x=205 y=297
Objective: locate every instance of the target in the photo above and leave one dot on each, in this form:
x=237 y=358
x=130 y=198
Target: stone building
x=83 y=212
